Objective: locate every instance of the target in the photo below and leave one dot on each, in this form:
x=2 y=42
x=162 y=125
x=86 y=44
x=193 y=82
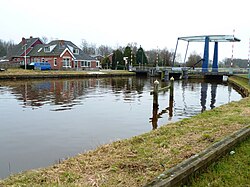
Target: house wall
x=59 y=60
x=93 y=64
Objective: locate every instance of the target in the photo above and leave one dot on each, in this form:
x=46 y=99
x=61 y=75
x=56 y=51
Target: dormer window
x=46 y=49
x=76 y=51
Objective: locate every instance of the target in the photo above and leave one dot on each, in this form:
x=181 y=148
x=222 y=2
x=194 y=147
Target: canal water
x=44 y=121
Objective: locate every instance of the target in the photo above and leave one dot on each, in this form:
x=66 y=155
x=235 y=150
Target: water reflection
x=204 y=89
x=213 y=95
x=156 y=115
x=188 y=95
x=65 y=94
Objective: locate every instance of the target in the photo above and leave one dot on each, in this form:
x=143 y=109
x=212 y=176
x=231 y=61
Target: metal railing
x=192 y=70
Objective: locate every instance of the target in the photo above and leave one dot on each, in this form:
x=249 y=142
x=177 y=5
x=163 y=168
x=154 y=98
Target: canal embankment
x=241 y=83
x=20 y=74
x=138 y=160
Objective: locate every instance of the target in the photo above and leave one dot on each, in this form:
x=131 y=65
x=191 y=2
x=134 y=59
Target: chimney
x=23 y=41
x=61 y=42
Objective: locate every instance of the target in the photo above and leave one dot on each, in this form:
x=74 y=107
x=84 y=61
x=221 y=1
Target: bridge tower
x=207 y=39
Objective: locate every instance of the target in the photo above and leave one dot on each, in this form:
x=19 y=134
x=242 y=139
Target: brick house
x=19 y=51
x=61 y=54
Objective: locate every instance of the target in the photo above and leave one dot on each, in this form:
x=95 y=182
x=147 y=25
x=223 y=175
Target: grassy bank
x=21 y=73
x=136 y=161
x=232 y=170
x=241 y=83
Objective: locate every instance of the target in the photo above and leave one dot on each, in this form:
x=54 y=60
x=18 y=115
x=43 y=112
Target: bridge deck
x=221 y=71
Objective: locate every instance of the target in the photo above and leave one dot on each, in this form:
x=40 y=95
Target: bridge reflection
x=204 y=88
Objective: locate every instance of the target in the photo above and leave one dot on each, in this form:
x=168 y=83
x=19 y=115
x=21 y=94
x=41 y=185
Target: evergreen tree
x=127 y=53
x=141 y=57
x=117 y=60
x=3 y=51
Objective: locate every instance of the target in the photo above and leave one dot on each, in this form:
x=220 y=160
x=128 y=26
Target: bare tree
x=87 y=48
x=104 y=50
x=193 y=59
x=44 y=39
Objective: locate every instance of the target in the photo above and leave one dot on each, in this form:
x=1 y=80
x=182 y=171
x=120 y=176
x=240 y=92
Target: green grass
x=232 y=170
x=243 y=75
x=138 y=160
x=241 y=82
x=22 y=72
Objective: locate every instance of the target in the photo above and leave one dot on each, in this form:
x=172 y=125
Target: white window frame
x=76 y=51
x=82 y=64
x=86 y=63
x=55 y=61
x=67 y=64
x=47 y=49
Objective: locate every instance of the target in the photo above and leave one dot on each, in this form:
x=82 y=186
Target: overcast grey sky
x=150 y=23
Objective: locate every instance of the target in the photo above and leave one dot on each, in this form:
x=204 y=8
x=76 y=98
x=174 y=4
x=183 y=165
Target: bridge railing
x=141 y=68
x=220 y=70
x=192 y=70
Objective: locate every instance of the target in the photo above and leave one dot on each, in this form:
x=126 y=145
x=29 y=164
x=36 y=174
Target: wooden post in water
x=171 y=97
x=171 y=88
x=155 y=93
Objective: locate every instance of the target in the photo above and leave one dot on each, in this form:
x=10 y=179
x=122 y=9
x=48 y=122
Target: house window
x=85 y=63
x=66 y=62
x=76 y=51
x=55 y=62
x=46 y=49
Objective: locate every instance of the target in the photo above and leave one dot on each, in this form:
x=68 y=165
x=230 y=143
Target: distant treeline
x=6 y=48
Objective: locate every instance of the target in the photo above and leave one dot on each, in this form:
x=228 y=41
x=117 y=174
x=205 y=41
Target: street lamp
x=25 y=56
x=24 y=46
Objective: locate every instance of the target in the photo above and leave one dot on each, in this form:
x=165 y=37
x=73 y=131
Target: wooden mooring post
x=156 y=90
x=155 y=93
x=172 y=88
